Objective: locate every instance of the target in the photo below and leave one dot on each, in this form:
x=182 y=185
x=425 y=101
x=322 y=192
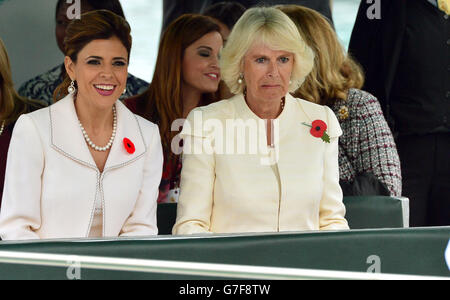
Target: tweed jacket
x=367 y=144
x=52 y=182
x=293 y=186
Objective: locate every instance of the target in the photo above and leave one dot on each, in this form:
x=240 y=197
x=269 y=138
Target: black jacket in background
x=406 y=58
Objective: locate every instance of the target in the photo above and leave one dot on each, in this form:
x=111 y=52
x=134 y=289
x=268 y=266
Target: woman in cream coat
x=59 y=184
x=286 y=176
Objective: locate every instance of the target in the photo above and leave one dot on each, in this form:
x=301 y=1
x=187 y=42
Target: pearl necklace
x=111 y=140
x=2 y=128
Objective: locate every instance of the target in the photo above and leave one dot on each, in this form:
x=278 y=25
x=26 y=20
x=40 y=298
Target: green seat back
x=362 y=213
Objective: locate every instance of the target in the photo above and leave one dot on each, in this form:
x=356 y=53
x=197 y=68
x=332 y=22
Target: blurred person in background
x=187 y=75
x=368 y=158
x=226 y=14
x=404 y=47
x=11 y=107
x=172 y=9
x=43 y=86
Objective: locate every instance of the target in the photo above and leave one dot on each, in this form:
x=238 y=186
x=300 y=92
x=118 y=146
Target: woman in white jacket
x=86 y=166
x=244 y=173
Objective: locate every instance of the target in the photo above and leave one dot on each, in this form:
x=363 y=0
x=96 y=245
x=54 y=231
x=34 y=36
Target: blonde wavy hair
x=11 y=104
x=334 y=72
x=274 y=29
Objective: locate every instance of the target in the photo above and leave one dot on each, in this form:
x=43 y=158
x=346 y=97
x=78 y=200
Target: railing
x=192 y=269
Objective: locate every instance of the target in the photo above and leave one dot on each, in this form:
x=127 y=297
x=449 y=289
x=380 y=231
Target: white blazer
x=52 y=182
x=223 y=192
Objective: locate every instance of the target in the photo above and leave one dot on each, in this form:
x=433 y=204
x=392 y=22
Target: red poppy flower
x=318 y=128
x=129 y=146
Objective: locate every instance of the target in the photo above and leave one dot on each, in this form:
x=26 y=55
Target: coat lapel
x=127 y=127
x=66 y=136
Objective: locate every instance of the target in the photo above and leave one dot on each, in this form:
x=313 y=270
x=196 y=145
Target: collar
x=66 y=136
x=295 y=113
x=246 y=113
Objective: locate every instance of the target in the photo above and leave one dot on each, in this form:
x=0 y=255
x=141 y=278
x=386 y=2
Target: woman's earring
x=290 y=82
x=241 y=78
x=124 y=91
x=71 y=89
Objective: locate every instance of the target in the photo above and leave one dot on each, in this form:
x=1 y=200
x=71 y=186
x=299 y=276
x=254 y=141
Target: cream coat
x=52 y=181
x=226 y=193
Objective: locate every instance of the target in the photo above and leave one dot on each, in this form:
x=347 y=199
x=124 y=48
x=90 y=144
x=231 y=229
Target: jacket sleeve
x=332 y=209
x=143 y=221
x=20 y=214
x=377 y=149
x=197 y=181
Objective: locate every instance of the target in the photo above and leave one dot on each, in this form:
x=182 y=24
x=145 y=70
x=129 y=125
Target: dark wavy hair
x=93 y=25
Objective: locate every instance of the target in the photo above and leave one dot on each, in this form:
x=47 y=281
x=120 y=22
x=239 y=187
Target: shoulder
x=146 y=127
x=308 y=107
x=362 y=103
x=39 y=116
x=32 y=125
x=223 y=109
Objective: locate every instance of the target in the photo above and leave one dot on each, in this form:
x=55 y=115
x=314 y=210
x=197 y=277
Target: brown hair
x=334 y=72
x=11 y=104
x=93 y=25
x=162 y=102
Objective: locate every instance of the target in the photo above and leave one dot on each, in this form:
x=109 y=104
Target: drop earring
x=241 y=78
x=71 y=89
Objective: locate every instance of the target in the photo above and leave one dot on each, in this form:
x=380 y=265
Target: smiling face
x=267 y=73
x=100 y=71
x=201 y=64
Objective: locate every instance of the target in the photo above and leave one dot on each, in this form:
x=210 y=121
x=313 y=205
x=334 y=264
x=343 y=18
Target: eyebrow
x=101 y=58
x=265 y=56
x=204 y=47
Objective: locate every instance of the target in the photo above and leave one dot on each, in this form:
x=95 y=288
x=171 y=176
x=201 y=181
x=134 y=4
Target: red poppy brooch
x=129 y=146
x=318 y=130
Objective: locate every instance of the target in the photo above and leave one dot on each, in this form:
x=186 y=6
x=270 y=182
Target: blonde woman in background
x=368 y=158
